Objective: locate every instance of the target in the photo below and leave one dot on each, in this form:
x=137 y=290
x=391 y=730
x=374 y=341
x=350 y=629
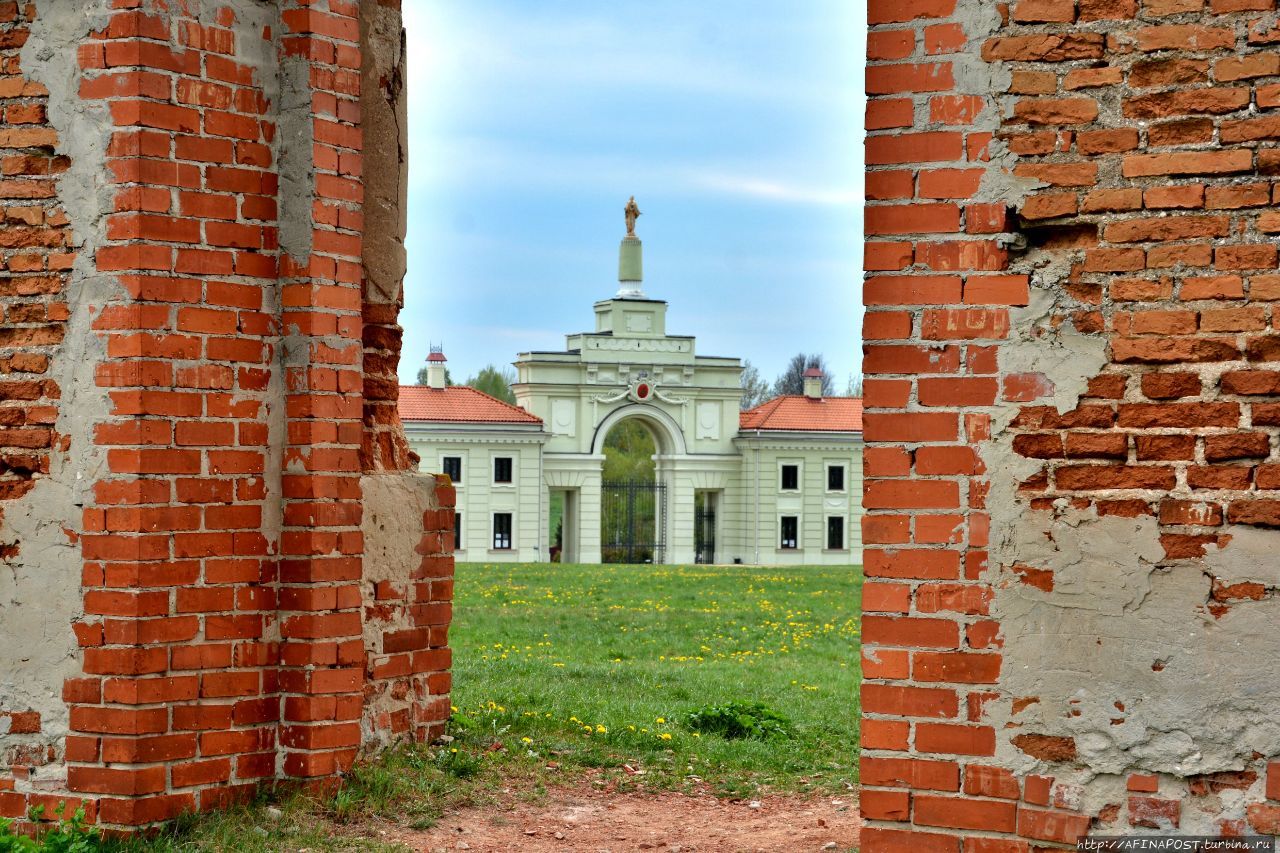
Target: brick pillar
x=937 y=302
x=178 y=563
x=321 y=543
x=183 y=369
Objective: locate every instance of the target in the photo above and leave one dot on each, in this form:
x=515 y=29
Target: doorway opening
x=704 y=525
x=633 y=502
x=563 y=519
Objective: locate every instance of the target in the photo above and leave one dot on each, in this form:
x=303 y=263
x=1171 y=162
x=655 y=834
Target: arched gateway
x=778 y=484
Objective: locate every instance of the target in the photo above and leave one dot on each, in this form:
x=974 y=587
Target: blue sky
x=737 y=126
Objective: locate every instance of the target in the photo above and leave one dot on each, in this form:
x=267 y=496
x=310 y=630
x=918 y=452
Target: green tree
x=494 y=381
x=754 y=389
x=628 y=453
x=854 y=388
x=792 y=379
x=422 y=376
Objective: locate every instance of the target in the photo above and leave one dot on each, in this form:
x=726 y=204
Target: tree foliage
x=628 y=453
x=754 y=389
x=494 y=381
x=792 y=379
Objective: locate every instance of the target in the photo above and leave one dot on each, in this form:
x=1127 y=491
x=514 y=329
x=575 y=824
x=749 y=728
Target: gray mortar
x=1113 y=612
x=40 y=588
x=295 y=157
x=394 y=504
x=975 y=76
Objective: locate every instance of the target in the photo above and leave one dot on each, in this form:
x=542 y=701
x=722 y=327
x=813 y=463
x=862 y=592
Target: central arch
x=667 y=433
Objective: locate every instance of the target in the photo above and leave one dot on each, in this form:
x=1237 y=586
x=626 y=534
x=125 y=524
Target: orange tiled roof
x=458 y=404
x=800 y=413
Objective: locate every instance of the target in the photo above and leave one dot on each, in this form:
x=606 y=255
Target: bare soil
x=596 y=820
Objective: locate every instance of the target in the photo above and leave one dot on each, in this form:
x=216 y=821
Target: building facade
x=779 y=484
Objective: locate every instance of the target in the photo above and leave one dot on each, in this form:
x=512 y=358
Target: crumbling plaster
x=37 y=610
x=386 y=164
x=1123 y=655
x=394 y=505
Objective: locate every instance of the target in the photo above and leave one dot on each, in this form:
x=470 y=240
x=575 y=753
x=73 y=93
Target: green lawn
x=599 y=665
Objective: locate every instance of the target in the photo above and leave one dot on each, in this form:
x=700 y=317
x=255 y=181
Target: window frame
x=843 y=468
x=782 y=476
x=444 y=468
x=457 y=532
x=782 y=533
x=511 y=531
x=843 y=530
x=511 y=470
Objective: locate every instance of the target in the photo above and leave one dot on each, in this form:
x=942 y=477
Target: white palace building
x=780 y=484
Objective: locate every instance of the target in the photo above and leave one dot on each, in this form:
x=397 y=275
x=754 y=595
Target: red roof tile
x=800 y=413
x=458 y=404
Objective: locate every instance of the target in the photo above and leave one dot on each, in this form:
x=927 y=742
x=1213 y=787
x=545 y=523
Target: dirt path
x=596 y=821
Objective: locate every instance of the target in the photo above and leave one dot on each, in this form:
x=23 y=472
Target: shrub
x=740 y=720
x=71 y=835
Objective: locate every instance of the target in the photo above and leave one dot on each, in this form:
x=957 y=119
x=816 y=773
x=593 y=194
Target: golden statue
x=631 y=211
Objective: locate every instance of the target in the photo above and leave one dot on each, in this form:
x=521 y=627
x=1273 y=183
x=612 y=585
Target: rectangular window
x=502 y=469
x=835 y=533
x=502 y=531
x=457 y=531
x=790 y=532
x=790 y=478
x=835 y=478
x=453 y=467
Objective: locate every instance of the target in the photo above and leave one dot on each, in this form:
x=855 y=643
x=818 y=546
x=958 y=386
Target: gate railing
x=704 y=544
x=633 y=522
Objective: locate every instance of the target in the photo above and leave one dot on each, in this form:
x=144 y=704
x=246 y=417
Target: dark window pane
x=790 y=477
x=502 y=469
x=790 y=527
x=502 y=531
x=835 y=533
x=453 y=468
x=457 y=531
x=835 y=478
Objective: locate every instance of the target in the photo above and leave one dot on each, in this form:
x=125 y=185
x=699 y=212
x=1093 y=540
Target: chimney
x=813 y=383
x=435 y=367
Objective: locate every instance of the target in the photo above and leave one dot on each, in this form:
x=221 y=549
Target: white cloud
x=778 y=190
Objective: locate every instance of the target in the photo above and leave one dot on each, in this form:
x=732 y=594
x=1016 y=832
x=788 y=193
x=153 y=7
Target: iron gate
x=704 y=536
x=633 y=522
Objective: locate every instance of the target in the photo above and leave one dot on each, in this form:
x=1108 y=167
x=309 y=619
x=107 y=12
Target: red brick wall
x=225 y=613
x=1128 y=187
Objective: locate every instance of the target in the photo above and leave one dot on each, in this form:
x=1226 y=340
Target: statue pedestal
x=630 y=269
